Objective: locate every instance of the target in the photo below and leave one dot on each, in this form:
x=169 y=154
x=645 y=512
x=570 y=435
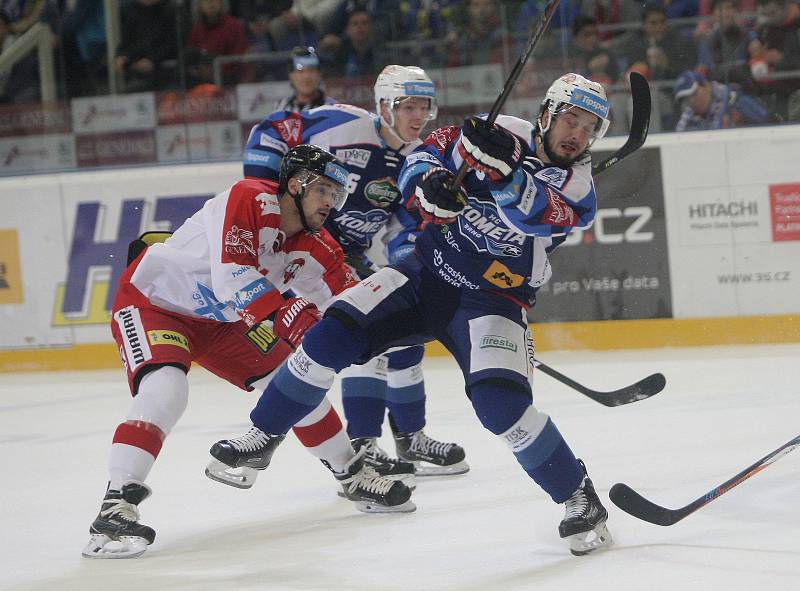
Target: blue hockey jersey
x=501 y=240
x=352 y=135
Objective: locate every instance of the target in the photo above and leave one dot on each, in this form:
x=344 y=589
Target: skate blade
x=590 y=541
x=101 y=546
x=425 y=469
x=243 y=477
x=372 y=507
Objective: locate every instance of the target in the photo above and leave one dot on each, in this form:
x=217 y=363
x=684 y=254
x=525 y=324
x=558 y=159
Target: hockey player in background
x=212 y=294
x=474 y=272
x=373 y=148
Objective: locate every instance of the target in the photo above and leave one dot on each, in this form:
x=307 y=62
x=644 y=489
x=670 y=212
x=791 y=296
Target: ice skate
x=371 y=492
x=584 y=523
x=116 y=532
x=385 y=465
x=238 y=460
x=429 y=456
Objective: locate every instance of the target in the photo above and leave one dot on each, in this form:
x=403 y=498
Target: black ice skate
x=389 y=467
x=116 y=532
x=430 y=457
x=239 y=459
x=371 y=492
x=584 y=523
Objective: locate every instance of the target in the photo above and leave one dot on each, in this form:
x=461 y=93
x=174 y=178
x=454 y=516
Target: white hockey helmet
x=573 y=90
x=395 y=83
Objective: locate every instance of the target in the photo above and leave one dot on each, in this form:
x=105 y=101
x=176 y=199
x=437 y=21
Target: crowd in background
x=737 y=62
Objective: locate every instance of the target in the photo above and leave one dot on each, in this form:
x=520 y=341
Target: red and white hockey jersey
x=230 y=261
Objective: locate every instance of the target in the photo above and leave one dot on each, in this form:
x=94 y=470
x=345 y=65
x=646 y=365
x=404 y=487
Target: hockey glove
x=294 y=318
x=437 y=201
x=490 y=149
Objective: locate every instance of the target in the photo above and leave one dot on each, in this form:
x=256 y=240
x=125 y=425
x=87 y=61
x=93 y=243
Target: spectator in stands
x=660 y=53
x=722 y=54
x=706 y=8
x=82 y=38
x=22 y=14
x=428 y=30
x=612 y=12
x=218 y=33
x=482 y=40
x=589 y=58
x=306 y=80
x=680 y=8
x=711 y=105
x=290 y=29
x=148 y=45
x=358 y=53
x=776 y=48
x=387 y=20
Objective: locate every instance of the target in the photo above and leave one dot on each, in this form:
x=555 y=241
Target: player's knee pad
x=336 y=341
x=374 y=368
x=405 y=358
x=499 y=403
x=161 y=399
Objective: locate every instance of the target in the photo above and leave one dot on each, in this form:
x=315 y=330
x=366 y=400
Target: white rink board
x=699 y=170
x=725 y=259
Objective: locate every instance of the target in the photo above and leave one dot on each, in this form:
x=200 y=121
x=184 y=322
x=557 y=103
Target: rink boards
x=697 y=242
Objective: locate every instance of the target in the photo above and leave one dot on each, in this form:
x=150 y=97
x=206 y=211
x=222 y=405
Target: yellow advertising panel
x=10 y=273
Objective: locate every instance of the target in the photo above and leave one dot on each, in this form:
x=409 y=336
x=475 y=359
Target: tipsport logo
x=426 y=89
x=592 y=103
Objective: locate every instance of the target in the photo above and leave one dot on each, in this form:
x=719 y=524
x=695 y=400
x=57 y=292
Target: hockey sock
x=160 y=401
x=299 y=386
x=322 y=434
x=543 y=454
x=405 y=396
x=364 y=397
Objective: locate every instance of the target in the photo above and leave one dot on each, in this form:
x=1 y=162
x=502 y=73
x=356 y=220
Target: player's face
x=319 y=199
x=305 y=81
x=570 y=134
x=410 y=116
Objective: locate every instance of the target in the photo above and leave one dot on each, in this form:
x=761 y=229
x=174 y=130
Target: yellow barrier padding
x=567 y=336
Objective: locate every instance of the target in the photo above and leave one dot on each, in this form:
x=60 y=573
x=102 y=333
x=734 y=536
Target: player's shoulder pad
x=517 y=126
x=255 y=186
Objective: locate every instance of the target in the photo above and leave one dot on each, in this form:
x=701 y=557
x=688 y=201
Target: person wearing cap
x=711 y=105
x=306 y=80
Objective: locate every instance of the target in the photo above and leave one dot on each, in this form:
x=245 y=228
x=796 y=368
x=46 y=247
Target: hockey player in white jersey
x=373 y=148
x=212 y=294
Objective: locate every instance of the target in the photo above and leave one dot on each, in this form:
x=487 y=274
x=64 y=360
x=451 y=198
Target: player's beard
x=555 y=159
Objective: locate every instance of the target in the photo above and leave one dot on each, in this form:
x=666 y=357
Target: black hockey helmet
x=301 y=58
x=309 y=163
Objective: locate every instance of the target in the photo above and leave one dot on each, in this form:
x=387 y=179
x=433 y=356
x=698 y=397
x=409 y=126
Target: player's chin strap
x=297 y=198
x=389 y=126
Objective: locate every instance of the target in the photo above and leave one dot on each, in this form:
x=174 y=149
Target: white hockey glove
x=490 y=149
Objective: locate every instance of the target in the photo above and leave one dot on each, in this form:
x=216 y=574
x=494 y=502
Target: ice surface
x=491 y=529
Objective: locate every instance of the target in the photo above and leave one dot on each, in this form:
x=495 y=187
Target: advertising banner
x=119 y=112
x=256 y=101
x=10 y=272
x=221 y=140
x=734 y=224
x=34 y=118
x=617 y=269
x=37 y=153
x=116 y=148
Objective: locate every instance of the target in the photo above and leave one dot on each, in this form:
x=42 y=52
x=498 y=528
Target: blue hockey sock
x=298 y=388
x=364 y=402
x=405 y=395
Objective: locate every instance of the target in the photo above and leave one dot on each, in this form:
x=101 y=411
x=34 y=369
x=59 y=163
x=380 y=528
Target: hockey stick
x=635 y=504
x=640 y=124
x=644 y=388
x=537 y=33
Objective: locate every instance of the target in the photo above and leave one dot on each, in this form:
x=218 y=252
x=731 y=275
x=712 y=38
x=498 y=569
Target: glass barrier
x=96 y=83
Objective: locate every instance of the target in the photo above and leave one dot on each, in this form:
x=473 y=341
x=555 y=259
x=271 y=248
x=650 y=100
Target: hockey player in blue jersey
x=474 y=272
x=373 y=148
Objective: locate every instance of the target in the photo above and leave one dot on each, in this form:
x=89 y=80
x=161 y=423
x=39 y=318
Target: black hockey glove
x=490 y=149
x=438 y=203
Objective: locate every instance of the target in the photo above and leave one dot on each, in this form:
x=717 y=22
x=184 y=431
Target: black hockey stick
x=644 y=388
x=640 y=124
x=627 y=499
x=536 y=34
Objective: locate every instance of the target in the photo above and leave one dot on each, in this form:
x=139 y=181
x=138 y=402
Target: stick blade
x=627 y=499
x=641 y=390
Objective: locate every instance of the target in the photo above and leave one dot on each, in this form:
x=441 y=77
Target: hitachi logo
x=729 y=210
